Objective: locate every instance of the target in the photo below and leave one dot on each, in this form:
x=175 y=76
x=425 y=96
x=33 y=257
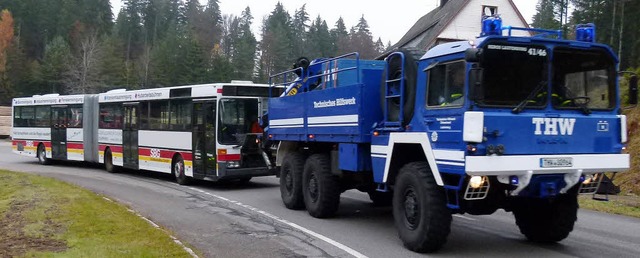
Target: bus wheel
x=42 y=155
x=420 y=212
x=547 y=221
x=178 y=171
x=108 y=162
x=321 y=189
x=291 y=181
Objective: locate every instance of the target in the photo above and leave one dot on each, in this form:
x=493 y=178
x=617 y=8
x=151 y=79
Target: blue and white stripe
x=329 y=121
x=449 y=157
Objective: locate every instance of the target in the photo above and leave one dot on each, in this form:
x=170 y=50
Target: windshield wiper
x=533 y=93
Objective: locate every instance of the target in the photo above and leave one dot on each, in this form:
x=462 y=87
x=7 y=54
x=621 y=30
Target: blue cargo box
x=342 y=108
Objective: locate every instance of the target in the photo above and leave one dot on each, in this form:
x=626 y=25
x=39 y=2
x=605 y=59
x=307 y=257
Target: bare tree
x=84 y=74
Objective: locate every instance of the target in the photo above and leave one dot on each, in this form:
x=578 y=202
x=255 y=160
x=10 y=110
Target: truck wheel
x=411 y=57
x=547 y=221
x=42 y=155
x=291 y=181
x=420 y=212
x=320 y=188
x=108 y=162
x=380 y=199
x=178 y=171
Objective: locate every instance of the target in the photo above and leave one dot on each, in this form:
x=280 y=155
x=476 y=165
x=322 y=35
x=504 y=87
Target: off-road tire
x=547 y=221
x=42 y=155
x=291 y=181
x=320 y=188
x=108 y=162
x=420 y=212
x=177 y=169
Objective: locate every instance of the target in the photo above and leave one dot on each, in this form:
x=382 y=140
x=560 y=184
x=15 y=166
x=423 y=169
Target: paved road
x=247 y=221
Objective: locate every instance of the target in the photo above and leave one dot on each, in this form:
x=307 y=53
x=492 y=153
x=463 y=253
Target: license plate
x=556 y=162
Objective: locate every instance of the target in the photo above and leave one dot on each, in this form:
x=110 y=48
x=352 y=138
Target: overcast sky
x=388 y=19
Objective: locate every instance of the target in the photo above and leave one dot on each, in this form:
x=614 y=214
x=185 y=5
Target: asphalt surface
x=250 y=220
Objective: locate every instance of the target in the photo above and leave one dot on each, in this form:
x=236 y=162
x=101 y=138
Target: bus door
x=60 y=122
x=204 y=138
x=130 y=135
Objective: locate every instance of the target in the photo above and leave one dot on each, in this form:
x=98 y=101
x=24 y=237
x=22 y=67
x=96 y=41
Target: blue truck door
x=445 y=99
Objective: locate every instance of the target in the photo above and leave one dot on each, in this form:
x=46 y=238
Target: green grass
x=43 y=217
x=621 y=205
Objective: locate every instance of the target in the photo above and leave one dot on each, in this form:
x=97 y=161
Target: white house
x=455 y=20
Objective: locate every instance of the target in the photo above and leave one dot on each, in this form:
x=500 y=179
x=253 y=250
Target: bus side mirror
x=633 y=90
x=476 y=92
x=473 y=55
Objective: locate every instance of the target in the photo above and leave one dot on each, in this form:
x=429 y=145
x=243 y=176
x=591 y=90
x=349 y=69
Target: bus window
x=110 y=117
x=27 y=117
x=159 y=115
x=76 y=117
x=180 y=115
x=235 y=117
x=43 y=116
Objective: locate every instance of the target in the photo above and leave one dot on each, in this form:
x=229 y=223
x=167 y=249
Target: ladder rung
x=392 y=96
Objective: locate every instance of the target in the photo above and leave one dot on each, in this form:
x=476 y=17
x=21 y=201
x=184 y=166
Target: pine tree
x=276 y=46
x=546 y=17
x=299 y=31
x=361 y=40
x=320 y=40
x=55 y=64
x=340 y=38
x=244 y=48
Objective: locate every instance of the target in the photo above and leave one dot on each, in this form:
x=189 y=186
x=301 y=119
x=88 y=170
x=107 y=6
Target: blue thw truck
x=523 y=124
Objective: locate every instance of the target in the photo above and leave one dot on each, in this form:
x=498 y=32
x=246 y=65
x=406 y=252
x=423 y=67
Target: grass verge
x=621 y=205
x=43 y=217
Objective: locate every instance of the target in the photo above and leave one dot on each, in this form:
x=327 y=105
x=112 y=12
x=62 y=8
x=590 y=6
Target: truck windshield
x=236 y=118
x=511 y=73
x=583 y=79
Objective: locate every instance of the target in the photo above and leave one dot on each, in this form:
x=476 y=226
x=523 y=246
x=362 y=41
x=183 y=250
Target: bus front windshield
x=236 y=118
x=512 y=73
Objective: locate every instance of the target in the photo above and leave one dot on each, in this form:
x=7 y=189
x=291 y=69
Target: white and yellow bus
x=207 y=131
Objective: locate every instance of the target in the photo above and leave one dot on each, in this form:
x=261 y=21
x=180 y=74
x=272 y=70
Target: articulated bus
x=207 y=131
x=54 y=127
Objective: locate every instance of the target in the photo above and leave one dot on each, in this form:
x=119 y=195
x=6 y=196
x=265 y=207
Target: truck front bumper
x=525 y=166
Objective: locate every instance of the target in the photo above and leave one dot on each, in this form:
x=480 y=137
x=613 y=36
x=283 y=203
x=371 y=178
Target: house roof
x=424 y=33
x=429 y=26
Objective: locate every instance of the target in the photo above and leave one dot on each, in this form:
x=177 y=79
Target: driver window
x=445 y=86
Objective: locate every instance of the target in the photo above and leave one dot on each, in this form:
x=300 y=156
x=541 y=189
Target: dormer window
x=489 y=10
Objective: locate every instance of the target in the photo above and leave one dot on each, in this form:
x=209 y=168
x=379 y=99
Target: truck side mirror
x=476 y=91
x=473 y=55
x=633 y=90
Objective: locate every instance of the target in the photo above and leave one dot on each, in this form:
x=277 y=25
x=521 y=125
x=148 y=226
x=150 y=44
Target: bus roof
x=49 y=99
x=193 y=91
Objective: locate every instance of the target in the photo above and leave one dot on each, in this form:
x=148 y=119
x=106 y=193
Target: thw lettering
x=553 y=126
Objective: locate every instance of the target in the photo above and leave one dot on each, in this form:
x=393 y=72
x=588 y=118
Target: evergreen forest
x=81 y=46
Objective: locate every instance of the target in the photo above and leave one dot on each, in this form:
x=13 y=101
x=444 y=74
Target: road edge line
x=286 y=222
x=175 y=240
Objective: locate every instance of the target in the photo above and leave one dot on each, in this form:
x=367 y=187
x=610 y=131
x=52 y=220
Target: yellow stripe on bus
x=162 y=160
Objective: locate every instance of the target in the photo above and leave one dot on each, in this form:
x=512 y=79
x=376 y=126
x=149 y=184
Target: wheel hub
x=178 y=169
x=313 y=188
x=411 y=209
x=288 y=179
